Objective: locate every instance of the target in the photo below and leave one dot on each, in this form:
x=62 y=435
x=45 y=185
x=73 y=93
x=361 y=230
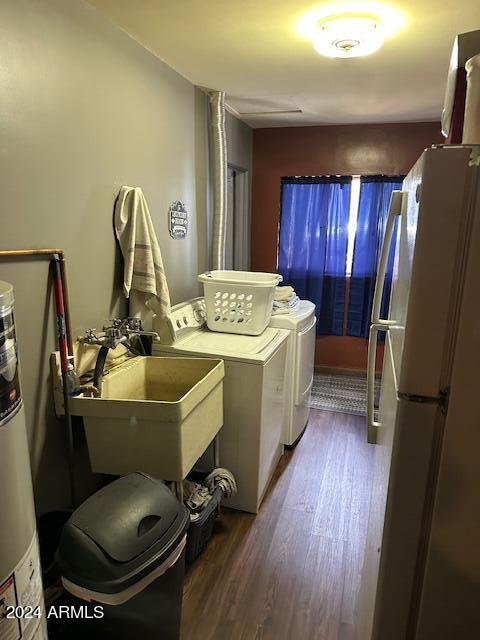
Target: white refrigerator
x=421 y=573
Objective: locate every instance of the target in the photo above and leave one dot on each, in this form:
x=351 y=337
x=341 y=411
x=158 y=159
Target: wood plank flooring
x=292 y=571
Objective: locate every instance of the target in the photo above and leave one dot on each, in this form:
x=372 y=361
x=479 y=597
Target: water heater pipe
x=217 y=106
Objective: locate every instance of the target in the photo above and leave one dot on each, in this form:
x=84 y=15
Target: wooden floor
x=291 y=572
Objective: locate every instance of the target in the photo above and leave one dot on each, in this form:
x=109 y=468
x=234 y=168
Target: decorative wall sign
x=178 y=220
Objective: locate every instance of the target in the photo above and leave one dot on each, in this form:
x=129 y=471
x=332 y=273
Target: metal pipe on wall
x=217 y=107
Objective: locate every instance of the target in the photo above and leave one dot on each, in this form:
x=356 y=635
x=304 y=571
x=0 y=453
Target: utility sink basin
x=156 y=415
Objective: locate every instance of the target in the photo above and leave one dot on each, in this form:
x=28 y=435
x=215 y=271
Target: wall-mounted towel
x=144 y=281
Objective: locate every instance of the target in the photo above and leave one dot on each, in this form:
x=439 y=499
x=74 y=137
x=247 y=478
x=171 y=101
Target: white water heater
x=22 y=614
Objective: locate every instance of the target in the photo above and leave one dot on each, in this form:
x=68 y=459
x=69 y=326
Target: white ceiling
x=252 y=50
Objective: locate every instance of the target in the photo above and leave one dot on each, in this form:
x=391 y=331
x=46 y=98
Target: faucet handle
x=90 y=334
x=115 y=322
x=114 y=333
x=126 y=325
x=135 y=324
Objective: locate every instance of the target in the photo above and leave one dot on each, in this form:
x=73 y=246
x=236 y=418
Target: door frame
x=242 y=222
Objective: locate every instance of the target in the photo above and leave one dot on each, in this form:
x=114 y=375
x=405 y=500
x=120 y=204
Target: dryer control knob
x=199 y=315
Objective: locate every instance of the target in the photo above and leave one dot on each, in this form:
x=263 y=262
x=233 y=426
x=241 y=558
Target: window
x=352 y=221
x=373 y=206
x=331 y=231
x=313 y=244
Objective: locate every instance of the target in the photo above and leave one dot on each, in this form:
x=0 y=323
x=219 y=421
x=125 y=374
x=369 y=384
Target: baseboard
x=340 y=371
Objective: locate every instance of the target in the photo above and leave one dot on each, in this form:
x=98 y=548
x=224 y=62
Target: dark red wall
x=344 y=150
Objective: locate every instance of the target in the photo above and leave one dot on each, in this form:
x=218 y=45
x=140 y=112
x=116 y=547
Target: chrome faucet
x=121 y=331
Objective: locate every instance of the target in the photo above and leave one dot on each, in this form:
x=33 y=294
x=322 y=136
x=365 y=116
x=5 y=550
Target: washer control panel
x=189 y=315
x=183 y=318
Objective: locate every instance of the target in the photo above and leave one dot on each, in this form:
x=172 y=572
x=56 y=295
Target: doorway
x=237 y=231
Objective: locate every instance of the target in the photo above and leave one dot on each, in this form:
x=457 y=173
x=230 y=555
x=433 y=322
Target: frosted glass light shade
x=348 y=36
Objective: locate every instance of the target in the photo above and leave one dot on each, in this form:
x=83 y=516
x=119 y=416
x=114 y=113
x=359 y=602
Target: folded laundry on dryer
x=284 y=293
x=285 y=300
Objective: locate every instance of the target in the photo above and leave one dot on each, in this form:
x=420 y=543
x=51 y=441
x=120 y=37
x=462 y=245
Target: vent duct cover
x=263 y=106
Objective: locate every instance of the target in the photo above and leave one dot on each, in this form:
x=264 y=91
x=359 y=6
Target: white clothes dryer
x=300 y=323
x=251 y=437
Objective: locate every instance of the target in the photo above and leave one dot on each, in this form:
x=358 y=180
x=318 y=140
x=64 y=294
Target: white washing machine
x=253 y=392
x=300 y=363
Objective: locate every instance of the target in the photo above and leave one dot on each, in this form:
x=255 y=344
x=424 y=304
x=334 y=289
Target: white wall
x=239 y=143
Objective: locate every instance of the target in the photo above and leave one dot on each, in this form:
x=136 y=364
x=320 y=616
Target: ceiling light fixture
x=350 y=29
x=348 y=36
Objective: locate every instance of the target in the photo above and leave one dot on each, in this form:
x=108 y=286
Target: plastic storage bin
x=239 y=301
x=124 y=550
x=201 y=530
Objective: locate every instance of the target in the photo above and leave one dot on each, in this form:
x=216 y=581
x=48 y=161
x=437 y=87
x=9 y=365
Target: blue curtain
x=313 y=244
x=375 y=192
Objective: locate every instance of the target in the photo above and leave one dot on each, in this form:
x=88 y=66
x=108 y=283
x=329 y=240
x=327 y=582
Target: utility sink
x=156 y=415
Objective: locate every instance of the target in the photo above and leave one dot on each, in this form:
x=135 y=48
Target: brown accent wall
x=345 y=150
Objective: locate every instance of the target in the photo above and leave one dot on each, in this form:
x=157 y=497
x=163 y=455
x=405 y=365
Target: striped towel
x=143 y=264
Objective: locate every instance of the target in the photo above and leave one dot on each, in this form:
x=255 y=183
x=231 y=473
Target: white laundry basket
x=239 y=301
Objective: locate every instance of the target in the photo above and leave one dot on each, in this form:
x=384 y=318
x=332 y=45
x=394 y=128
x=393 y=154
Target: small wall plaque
x=178 y=220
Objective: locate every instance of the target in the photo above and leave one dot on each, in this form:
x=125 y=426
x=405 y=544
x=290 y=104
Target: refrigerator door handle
x=397 y=203
x=395 y=209
x=372 y=424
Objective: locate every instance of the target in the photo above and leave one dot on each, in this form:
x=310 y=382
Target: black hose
x=130 y=346
x=142 y=346
x=99 y=366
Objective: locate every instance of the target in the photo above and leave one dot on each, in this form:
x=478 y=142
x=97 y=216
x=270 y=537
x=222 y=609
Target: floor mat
x=348 y=394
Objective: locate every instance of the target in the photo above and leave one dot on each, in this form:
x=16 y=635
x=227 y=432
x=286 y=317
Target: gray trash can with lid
x=124 y=549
